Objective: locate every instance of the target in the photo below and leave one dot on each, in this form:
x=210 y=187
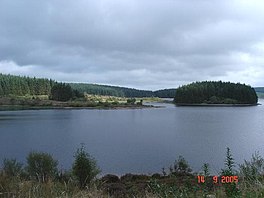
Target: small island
x=215 y=93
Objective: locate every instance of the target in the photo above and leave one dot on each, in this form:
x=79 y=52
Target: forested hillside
x=121 y=91
x=210 y=92
x=165 y=93
x=110 y=90
x=20 y=86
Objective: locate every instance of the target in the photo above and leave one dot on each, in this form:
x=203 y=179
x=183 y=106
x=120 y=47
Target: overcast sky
x=146 y=44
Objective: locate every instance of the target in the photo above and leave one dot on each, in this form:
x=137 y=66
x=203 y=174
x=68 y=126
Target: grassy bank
x=88 y=101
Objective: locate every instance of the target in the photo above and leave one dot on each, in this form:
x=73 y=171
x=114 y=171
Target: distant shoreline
x=13 y=104
x=25 y=107
x=216 y=105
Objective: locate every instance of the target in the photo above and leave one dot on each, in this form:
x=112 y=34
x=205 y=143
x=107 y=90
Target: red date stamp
x=219 y=180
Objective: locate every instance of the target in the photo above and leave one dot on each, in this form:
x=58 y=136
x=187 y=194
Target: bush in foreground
x=84 y=167
x=12 y=168
x=41 y=166
x=180 y=181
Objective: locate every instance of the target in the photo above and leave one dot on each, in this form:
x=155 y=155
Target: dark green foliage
x=182 y=166
x=140 y=102
x=229 y=163
x=207 y=185
x=84 y=167
x=164 y=172
x=231 y=189
x=121 y=91
x=77 y=94
x=20 y=86
x=165 y=93
x=252 y=170
x=131 y=100
x=215 y=93
x=110 y=90
x=206 y=170
x=12 y=167
x=62 y=92
x=41 y=166
x=115 y=103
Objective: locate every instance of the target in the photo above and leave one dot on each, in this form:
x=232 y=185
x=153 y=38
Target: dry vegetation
x=177 y=182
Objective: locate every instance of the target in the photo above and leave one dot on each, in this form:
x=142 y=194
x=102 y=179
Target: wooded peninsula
x=17 y=92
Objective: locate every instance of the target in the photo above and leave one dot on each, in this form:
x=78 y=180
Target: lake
x=136 y=140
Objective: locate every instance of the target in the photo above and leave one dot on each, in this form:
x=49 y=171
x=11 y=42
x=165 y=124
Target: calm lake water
x=136 y=140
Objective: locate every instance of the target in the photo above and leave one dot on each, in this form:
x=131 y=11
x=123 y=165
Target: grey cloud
x=143 y=44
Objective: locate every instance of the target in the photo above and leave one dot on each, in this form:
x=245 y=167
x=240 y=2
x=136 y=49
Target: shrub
x=140 y=102
x=254 y=169
x=106 y=104
x=115 y=103
x=12 y=167
x=206 y=170
x=131 y=100
x=84 y=167
x=229 y=163
x=181 y=166
x=231 y=189
x=42 y=166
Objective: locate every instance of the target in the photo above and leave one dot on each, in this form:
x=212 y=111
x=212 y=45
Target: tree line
x=22 y=85
x=121 y=91
x=11 y=85
x=64 y=92
x=199 y=92
x=165 y=93
x=213 y=92
x=107 y=90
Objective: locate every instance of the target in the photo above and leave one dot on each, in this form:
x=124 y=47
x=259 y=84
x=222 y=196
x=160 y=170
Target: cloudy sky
x=146 y=44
